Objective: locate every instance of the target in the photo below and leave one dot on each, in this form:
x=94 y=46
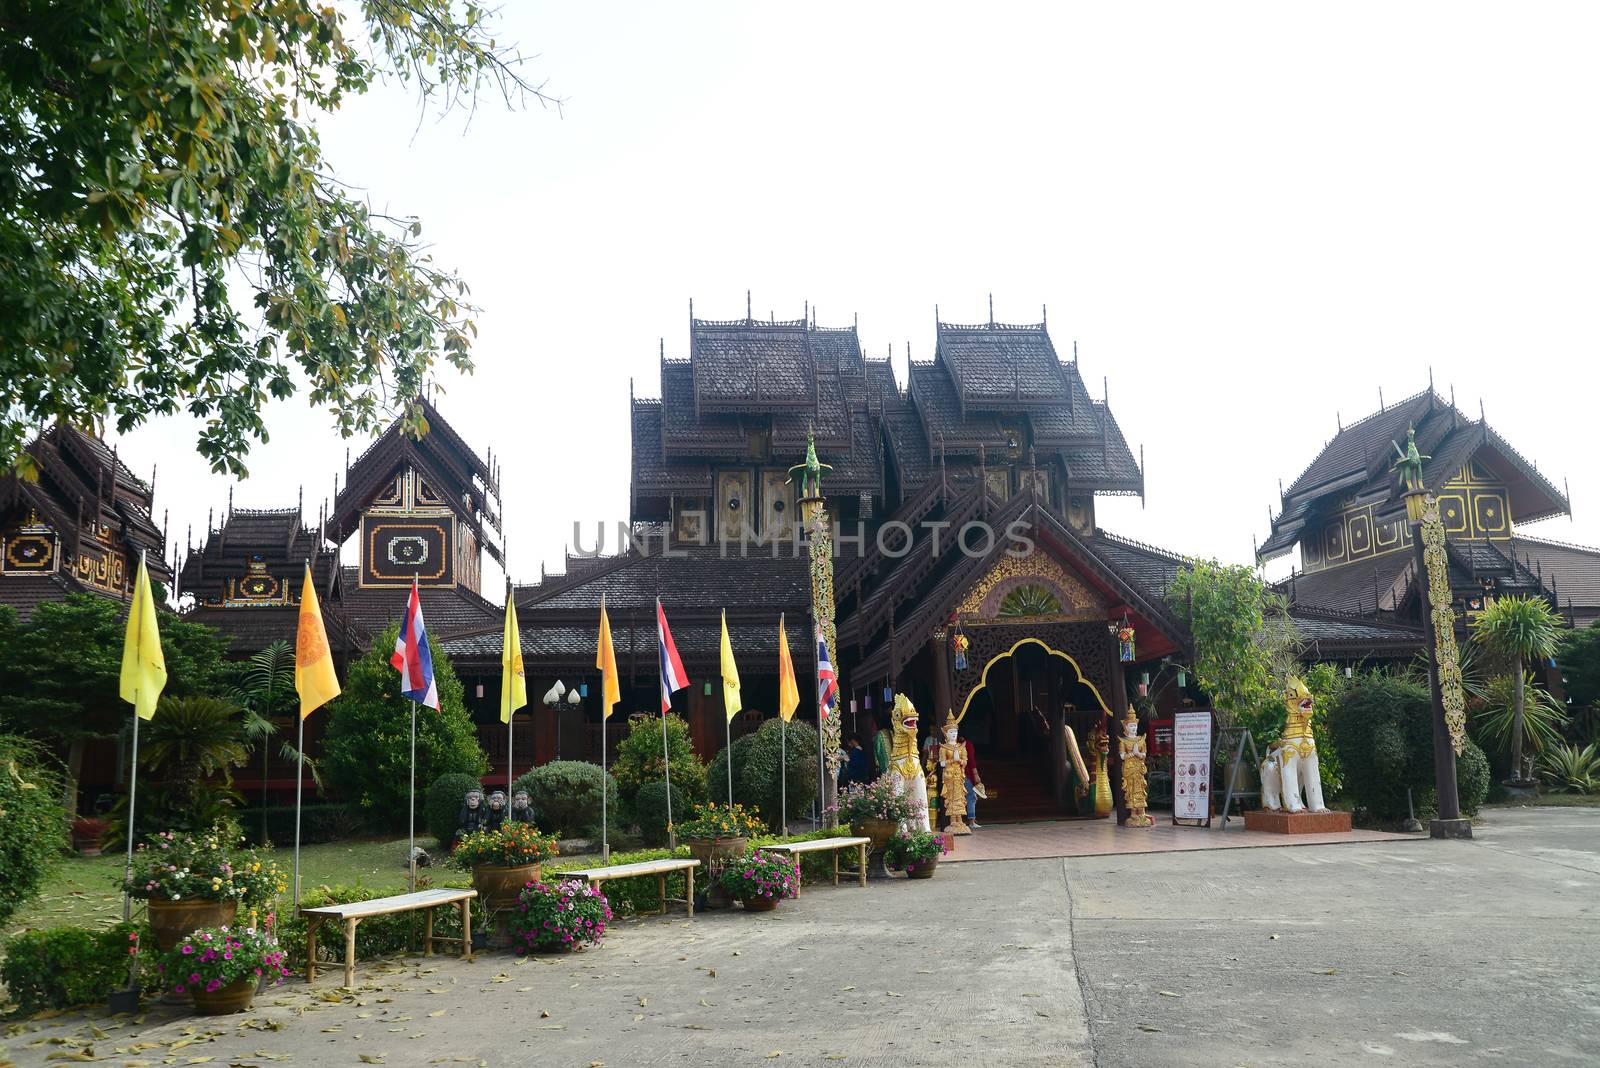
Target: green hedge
x=755 y=770
x=442 y=807
x=566 y=796
x=650 y=810
x=67 y=966
x=325 y=822
x=34 y=830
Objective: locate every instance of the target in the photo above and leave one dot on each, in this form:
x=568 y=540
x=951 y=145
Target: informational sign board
x=1191 y=768
x=1160 y=737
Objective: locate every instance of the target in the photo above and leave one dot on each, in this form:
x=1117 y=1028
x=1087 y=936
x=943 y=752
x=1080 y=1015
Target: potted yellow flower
x=503 y=861
x=718 y=835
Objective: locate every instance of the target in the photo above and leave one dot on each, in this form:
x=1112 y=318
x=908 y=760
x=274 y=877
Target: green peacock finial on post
x=811 y=471
x=1409 y=463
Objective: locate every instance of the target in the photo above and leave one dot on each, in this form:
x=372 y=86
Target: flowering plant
x=721 y=821
x=512 y=846
x=214 y=957
x=176 y=867
x=571 y=913
x=257 y=877
x=877 y=800
x=761 y=874
x=913 y=850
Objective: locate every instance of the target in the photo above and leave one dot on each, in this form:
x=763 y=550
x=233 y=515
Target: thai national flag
x=411 y=655
x=673 y=677
x=827 y=682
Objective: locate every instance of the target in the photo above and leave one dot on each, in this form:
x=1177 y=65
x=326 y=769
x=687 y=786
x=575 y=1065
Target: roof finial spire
x=1074 y=351
x=991 y=309
x=1481 y=417
x=1430 y=379
x=1044 y=315
x=230 y=502
x=1380 y=398
x=661 y=346
x=1105 y=390
x=747 y=312
x=1338 y=420
x=805 y=314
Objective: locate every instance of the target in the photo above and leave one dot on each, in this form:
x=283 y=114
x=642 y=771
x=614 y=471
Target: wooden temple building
x=1353 y=594
x=79 y=526
x=964 y=503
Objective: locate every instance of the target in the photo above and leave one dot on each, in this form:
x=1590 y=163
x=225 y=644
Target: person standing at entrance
x=974 y=783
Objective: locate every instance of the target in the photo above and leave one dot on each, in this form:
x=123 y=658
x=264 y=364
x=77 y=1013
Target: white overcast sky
x=1248 y=216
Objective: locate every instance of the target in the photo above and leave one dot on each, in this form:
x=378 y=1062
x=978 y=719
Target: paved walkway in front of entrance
x=1094 y=838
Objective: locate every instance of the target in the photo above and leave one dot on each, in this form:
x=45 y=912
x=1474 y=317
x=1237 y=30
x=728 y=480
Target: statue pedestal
x=1261 y=819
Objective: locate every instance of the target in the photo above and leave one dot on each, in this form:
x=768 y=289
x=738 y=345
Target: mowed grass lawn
x=85 y=890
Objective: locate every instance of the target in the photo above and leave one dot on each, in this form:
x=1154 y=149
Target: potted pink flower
x=761 y=880
x=220 y=968
x=558 y=918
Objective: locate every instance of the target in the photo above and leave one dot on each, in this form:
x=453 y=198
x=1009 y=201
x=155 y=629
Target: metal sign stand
x=1235 y=738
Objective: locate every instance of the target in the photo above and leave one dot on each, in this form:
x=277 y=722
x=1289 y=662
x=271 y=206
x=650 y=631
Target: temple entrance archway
x=1024 y=697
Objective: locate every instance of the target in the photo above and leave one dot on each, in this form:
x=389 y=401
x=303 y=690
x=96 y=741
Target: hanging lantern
x=1183 y=679
x=888 y=695
x=1125 y=643
x=959 y=644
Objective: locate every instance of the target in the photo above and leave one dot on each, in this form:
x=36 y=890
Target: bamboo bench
x=822 y=845
x=658 y=868
x=352 y=914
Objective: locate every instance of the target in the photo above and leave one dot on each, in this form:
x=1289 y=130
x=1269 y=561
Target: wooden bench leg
x=835 y=867
x=427 y=933
x=466 y=928
x=350 y=952
x=689 y=893
x=663 y=881
x=312 y=922
x=861 y=862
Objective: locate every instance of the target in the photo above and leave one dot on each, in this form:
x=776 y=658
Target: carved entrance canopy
x=1035 y=586
x=1083 y=645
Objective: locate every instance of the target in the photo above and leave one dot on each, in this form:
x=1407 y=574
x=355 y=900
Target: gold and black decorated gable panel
x=101 y=567
x=258 y=587
x=394 y=548
x=30 y=549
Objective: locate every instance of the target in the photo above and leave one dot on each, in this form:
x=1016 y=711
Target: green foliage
x=650 y=810
x=34 y=828
x=1326 y=683
x=191 y=739
x=719 y=821
x=172 y=236
x=513 y=845
x=760 y=875
x=564 y=913
x=639 y=759
x=366 y=752
x=1383 y=728
x=1542 y=716
x=66 y=966
x=566 y=796
x=1244 y=642
x=1518 y=629
x=1569 y=769
x=442 y=807
x=755 y=770
x=60 y=670
x=1579 y=658
x=1472 y=778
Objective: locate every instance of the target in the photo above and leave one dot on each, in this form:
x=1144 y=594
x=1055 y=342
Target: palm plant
x=1566 y=767
x=193 y=738
x=1517 y=630
x=266 y=689
x=1496 y=715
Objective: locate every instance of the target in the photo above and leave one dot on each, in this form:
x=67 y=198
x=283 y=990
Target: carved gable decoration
x=1034 y=586
x=410 y=532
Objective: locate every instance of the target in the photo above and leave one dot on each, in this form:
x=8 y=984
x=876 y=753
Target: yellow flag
x=730 y=674
x=314 y=677
x=144 y=668
x=513 y=679
x=605 y=658
x=788 y=691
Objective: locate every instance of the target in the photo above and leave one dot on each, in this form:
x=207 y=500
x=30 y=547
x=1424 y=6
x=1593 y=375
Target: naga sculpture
x=905 y=767
x=1100 y=739
x=1290 y=777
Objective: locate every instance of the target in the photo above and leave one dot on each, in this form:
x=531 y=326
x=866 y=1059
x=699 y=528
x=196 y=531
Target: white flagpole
x=605 y=841
x=511 y=714
x=783 y=773
x=133 y=773
x=728 y=724
x=411 y=851
x=299 y=783
x=666 y=753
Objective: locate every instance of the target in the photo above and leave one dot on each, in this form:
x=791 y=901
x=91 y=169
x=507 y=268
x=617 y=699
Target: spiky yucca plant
x=1518 y=630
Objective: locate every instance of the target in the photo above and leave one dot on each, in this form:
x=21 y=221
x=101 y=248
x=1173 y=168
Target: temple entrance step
x=1020 y=791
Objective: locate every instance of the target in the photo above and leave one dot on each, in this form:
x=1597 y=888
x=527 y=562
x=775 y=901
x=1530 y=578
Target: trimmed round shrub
x=34 y=829
x=639 y=761
x=443 y=805
x=650 y=809
x=566 y=796
x=366 y=759
x=755 y=770
x=1472 y=778
x=1382 y=729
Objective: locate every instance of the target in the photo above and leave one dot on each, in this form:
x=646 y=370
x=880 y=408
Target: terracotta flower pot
x=498 y=886
x=921 y=869
x=880 y=831
x=759 y=904
x=714 y=855
x=235 y=997
x=170 y=921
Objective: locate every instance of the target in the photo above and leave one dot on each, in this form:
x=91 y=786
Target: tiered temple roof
x=78 y=526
